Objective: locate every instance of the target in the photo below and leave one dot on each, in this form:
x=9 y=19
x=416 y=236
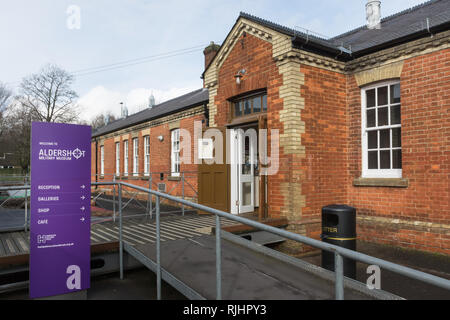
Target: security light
x=239 y=75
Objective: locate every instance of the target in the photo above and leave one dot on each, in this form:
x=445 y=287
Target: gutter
x=319 y=48
x=315 y=46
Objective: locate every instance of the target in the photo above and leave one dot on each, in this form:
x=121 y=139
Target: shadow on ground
x=436 y=264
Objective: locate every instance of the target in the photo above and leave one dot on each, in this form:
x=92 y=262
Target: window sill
x=381 y=182
x=124 y=177
x=174 y=178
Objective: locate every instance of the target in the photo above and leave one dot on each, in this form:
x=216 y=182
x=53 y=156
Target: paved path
x=246 y=274
x=135 y=231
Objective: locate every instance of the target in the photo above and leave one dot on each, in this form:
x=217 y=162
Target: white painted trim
x=117 y=158
x=102 y=160
x=125 y=157
x=175 y=153
x=375 y=173
x=146 y=155
x=234 y=180
x=135 y=157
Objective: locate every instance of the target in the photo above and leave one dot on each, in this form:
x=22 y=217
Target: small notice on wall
x=205 y=149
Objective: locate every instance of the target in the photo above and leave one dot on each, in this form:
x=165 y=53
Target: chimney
x=210 y=52
x=373 y=14
x=123 y=111
x=151 y=101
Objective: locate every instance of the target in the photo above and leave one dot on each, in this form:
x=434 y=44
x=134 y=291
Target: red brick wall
x=425 y=96
x=325 y=140
x=160 y=159
x=255 y=56
x=93 y=154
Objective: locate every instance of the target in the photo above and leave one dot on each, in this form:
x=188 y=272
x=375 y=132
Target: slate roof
x=394 y=28
x=399 y=25
x=186 y=101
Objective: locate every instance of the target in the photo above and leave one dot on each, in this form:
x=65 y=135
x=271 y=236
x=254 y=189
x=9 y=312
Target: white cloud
x=101 y=100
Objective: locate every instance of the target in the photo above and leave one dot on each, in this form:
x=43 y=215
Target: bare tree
x=102 y=120
x=16 y=139
x=48 y=95
x=5 y=96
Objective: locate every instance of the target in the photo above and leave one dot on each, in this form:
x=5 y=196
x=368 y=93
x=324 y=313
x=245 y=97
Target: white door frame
x=237 y=178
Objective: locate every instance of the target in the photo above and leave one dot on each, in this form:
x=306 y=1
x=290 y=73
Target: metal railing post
x=339 y=272
x=182 y=193
x=158 y=252
x=150 y=196
x=114 y=199
x=218 y=261
x=26 y=209
x=120 y=232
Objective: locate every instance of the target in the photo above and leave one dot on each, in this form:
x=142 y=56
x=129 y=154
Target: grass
x=13 y=171
x=11 y=175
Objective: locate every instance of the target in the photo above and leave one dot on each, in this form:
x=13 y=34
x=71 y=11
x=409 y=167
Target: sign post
x=60 y=222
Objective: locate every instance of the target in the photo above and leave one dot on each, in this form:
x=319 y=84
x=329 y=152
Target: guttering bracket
x=428 y=28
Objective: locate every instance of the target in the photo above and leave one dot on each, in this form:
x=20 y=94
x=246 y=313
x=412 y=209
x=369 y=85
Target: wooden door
x=213 y=181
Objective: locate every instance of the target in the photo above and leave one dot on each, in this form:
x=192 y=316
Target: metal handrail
x=339 y=252
x=183 y=180
x=19 y=188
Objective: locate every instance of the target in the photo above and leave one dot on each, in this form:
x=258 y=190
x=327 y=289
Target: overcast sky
x=35 y=32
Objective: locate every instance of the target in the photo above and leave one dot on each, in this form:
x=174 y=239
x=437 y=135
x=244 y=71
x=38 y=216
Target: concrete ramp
x=246 y=274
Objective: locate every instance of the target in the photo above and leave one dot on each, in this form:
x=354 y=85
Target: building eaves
x=186 y=101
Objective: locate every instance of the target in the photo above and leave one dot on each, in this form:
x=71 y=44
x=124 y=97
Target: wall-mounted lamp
x=161 y=138
x=239 y=76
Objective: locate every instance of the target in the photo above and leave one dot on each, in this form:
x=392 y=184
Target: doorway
x=244 y=169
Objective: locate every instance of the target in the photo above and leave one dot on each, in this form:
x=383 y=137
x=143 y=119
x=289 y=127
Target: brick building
x=139 y=147
x=363 y=119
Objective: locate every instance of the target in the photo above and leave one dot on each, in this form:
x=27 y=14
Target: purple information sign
x=60 y=224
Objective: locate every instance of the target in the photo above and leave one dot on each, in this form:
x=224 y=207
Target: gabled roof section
x=227 y=38
x=425 y=19
x=186 y=101
x=282 y=29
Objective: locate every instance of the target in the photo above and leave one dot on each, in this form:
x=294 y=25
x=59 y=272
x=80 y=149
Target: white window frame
x=117 y=158
x=175 y=152
x=146 y=155
x=125 y=158
x=102 y=160
x=135 y=157
x=377 y=173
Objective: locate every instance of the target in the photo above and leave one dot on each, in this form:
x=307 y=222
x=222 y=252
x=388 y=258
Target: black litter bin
x=339 y=228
